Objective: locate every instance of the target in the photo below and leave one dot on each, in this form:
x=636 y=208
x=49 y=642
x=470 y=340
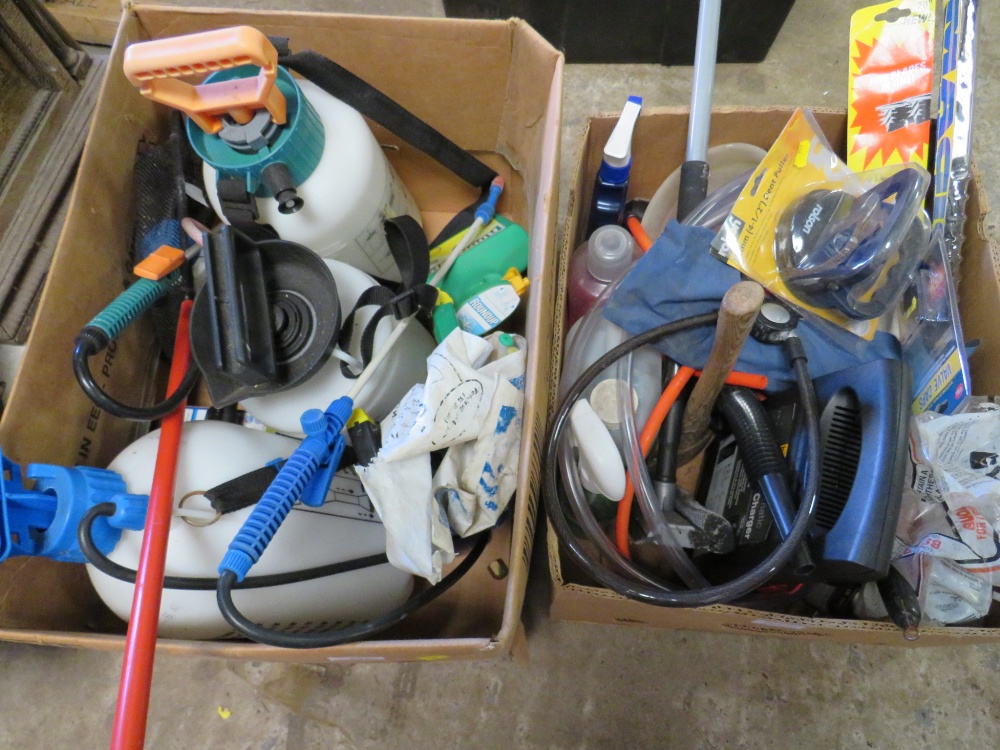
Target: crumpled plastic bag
x=471 y=404
x=947 y=541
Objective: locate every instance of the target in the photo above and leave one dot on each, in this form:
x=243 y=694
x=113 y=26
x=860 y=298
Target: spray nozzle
x=618 y=150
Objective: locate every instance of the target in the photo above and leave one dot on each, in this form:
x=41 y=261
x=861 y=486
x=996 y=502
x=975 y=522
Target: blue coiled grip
x=322 y=447
x=131 y=303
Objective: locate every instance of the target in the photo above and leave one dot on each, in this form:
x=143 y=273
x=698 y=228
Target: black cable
x=663 y=596
x=86 y=347
x=109 y=567
x=269 y=637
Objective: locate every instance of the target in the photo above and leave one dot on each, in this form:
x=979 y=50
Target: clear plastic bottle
x=595 y=264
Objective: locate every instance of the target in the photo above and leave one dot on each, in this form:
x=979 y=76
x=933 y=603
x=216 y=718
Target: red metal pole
x=129 y=731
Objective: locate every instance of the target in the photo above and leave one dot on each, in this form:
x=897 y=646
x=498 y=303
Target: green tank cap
x=298 y=144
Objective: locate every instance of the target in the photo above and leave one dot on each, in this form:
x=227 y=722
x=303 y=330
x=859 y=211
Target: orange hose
x=641 y=238
x=744 y=379
x=646 y=438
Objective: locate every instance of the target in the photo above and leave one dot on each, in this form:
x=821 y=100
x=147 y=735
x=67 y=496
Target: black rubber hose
x=752 y=429
x=352 y=633
x=85 y=348
x=726 y=592
x=109 y=567
x=669 y=442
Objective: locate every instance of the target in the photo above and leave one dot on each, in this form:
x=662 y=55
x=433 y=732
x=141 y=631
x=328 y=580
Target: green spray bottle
x=484 y=286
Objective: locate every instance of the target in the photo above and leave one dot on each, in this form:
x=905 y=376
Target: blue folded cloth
x=679 y=278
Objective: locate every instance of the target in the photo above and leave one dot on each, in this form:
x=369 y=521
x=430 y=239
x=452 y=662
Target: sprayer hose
x=269 y=637
x=665 y=596
x=182 y=583
x=85 y=348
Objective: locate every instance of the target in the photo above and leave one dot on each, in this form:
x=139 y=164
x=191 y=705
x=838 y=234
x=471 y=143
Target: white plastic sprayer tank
x=345 y=527
x=306 y=162
x=345 y=200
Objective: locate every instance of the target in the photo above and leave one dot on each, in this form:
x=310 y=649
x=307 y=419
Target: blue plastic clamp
x=43 y=521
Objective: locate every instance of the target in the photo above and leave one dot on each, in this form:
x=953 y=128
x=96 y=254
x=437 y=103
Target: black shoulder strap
x=372 y=103
x=412 y=255
x=239 y=208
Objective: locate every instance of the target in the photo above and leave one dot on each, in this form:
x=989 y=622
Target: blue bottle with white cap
x=611 y=185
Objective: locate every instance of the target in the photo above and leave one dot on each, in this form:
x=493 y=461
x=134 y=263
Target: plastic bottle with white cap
x=596 y=263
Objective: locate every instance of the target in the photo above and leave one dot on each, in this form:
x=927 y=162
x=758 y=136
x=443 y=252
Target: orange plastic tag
x=161 y=262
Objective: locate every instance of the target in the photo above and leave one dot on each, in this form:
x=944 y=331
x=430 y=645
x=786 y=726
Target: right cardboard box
x=658 y=147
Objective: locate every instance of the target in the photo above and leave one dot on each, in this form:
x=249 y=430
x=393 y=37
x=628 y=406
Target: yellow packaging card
x=799 y=162
x=891 y=66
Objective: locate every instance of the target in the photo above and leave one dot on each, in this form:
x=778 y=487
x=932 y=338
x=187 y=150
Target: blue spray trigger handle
x=317 y=456
x=43 y=521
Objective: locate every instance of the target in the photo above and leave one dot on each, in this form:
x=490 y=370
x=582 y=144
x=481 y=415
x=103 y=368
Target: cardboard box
x=88 y=21
x=657 y=149
x=492 y=86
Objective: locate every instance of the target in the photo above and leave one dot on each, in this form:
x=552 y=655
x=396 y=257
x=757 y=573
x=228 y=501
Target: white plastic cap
x=609 y=252
x=618 y=150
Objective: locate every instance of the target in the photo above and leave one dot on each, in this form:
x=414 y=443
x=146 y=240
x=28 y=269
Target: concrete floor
x=585 y=686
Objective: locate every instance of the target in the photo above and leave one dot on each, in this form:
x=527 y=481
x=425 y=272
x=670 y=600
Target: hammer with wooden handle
x=739 y=309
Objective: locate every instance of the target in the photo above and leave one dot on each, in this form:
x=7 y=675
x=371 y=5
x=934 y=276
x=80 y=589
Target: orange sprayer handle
x=155 y=67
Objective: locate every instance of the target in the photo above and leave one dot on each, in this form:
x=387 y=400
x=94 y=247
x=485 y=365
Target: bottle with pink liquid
x=595 y=264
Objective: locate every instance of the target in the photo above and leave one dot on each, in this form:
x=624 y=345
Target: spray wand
x=140 y=643
x=310 y=469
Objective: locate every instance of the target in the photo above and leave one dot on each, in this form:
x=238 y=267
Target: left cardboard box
x=495 y=88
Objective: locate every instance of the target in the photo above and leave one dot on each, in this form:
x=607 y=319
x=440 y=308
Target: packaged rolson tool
x=929 y=325
x=890 y=82
x=841 y=245
x=930 y=332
